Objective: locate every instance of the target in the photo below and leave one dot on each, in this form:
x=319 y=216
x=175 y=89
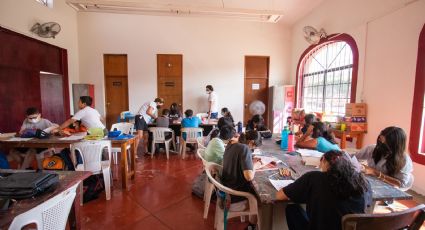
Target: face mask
x=208 y=92
x=34 y=120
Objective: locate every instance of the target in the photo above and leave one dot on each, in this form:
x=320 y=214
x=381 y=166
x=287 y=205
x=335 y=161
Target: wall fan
x=46 y=30
x=257 y=107
x=312 y=35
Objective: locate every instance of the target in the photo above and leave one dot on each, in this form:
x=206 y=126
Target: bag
x=266 y=134
x=27 y=185
x=54 y=162
x=92 y=187
x=38 y=133
x=4 y=164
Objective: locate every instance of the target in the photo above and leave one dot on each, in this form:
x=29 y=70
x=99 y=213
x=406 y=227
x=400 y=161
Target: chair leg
x=115 y=157
x=152 y=149
x=217 y=208
x=107 y=180
x=167 y=149
x=243 y=219
x=209 y=188
x=184 y=149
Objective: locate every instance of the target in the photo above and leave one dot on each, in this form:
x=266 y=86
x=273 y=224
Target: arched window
x=327 y=75
x=417 y=129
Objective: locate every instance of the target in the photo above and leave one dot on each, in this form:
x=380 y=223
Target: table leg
x=133 y=158
x=343 y=140
x=124 y=166
x=359 y=141
x=74 y=214
x=265 y=213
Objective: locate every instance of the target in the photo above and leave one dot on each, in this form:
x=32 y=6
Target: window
x=48 y=3
x=327 y=75
x=417 y=126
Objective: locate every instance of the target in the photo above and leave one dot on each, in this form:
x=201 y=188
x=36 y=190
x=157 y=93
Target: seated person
x=88 y=116
x=190 y=121
x=33 y=121
x=215 y=132
x=163 y=121
x=175 y=114
x=215 y=149
x=338 y=188
x=387 y=159
x=238 y=166
x=226 y=113
x=256 y=123
x=308 y=120
x=317 y=137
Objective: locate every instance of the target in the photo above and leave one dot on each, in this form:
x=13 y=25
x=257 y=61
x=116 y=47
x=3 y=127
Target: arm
x=249 y=174
x=280 y=195
x=66 y=123
x=373 y=172
x=150 y=112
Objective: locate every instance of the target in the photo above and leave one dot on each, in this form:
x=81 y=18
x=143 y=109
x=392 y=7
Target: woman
x=387 y=159
x=338 y=189
x=175 y=113
x=317 y=137
x=256 y=123
x=147 y=113
x=226 y=113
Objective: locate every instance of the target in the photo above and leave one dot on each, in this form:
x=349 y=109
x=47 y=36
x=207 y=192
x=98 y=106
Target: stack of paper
x=279 y=184
x=311 y=157
x=265 y=162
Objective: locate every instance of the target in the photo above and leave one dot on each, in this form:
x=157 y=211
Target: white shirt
x=144 y=109
x=89 y=117
x=213 y=98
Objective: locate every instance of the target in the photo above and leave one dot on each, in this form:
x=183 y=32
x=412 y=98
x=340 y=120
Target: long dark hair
x=320 y=130
x=227 y=113
x=392 y=150
x=343 y=178
x=251 y=135
x=174 y=109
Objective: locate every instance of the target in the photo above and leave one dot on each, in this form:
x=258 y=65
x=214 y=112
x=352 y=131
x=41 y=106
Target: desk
x=273 y=211
x=354 y=134
x=66 y=180
x=55 y=142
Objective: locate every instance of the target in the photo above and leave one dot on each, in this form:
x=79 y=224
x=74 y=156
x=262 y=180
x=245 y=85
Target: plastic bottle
x=284 y=141
x=239 y=127
x=291 y=142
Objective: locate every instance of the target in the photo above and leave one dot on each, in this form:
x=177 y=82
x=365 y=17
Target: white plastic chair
x=159 y=136
x=125 y=128
x=191 y=138
x=209 y=187
x=212 y=171
x=91 y=153
x=50 y=215
x=201 y=143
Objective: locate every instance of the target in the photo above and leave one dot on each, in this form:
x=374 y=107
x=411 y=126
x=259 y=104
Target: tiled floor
x=160 y=198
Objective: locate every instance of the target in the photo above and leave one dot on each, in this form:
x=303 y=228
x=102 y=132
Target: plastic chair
x=209 y=187
x=159 y=136
x=126 y=128
x=201 y=143
x=410 y=219
x=91 y=153
x=49 y=215
x=212 y=171
x=191 y=138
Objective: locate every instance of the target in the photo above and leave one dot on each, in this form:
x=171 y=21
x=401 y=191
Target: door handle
x=108 y=103
x=246 y=105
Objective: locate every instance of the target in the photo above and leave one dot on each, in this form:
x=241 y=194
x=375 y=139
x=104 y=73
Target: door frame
x=266 y=114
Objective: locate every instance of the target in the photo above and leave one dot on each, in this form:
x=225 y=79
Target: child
x=33 y=121
x=163 y=121
x=190 y=121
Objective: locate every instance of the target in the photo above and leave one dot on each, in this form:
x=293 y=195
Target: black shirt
x=324 y=209
x=237 y=158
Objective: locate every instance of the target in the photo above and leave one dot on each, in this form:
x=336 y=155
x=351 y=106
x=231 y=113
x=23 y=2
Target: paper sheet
x=6 y=135
x=265 y=162
x=257 y=152
x=72 y=138
x=309 y=153
x=279 y=184
x=19 y=139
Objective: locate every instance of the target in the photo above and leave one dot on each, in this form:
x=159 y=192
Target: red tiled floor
x=151 y=223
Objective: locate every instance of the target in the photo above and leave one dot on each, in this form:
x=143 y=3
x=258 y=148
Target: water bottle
x=239 y=127
x=291 y=142
x=284 y=140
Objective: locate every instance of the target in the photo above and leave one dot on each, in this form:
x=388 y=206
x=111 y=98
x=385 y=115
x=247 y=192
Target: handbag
x=27 y=184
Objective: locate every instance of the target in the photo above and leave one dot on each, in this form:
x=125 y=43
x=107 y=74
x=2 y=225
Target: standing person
x=387 y=159
x=146 y=114
x=212 y=102
x=338 y=189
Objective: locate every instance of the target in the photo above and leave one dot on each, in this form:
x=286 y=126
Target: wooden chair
x=410 y=219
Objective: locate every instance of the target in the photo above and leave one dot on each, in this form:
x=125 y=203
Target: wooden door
x=256 y=83
x=170 y=79
x=52 y=102
x=116 y=86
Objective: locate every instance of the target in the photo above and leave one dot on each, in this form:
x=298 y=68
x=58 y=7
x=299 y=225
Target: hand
x=257 y=160
x=285 y=172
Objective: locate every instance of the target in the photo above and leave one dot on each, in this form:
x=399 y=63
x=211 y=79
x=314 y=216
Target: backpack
x=92 y=187
x=54 y=162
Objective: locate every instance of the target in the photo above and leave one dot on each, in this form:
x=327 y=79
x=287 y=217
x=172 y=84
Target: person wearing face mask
x=33 y=121
x=388 y=160
x=212 y=102
x=147 y=114
x=338 y=189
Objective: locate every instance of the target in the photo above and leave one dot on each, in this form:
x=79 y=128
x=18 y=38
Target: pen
x=290 y=167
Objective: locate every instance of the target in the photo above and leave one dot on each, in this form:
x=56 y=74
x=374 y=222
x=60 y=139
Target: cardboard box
x=356 y=110
x=355 y=119
x=357 y=126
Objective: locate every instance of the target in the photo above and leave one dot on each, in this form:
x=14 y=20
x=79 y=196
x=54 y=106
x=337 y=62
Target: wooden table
x=55 y=142
x=272 y=212
x=67 y=179
x=359 y=135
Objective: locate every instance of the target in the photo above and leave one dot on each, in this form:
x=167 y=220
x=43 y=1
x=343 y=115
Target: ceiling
x=282 y=11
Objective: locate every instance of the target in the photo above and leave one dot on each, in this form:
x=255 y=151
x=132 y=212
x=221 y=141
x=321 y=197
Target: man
x=88 y=116
x=212 y=102
x=147 y=113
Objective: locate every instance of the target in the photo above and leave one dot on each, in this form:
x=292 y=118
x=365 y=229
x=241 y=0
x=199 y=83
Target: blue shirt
x=324 y=145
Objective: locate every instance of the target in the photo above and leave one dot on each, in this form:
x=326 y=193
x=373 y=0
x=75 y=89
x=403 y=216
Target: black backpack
x=26 y=184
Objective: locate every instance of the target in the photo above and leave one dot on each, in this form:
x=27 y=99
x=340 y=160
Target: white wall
x=387 y=37
x=213 y=53
x=21 y=15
